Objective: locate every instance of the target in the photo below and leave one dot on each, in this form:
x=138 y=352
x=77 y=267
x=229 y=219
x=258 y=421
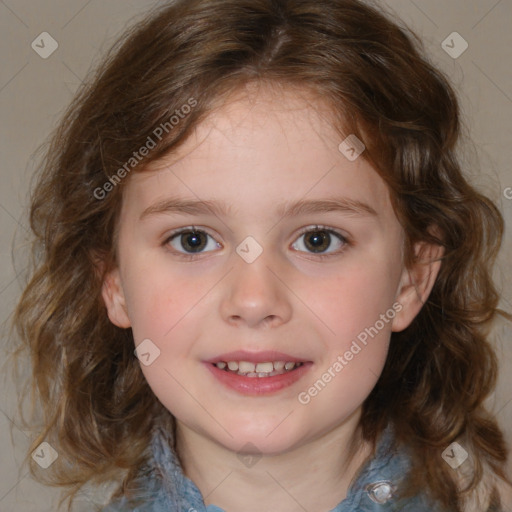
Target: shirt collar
x=372 y=488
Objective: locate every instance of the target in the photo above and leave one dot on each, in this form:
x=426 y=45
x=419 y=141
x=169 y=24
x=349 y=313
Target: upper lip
x=256 y=357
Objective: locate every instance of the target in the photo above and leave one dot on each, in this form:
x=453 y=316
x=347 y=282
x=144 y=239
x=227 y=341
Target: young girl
x=262 y=282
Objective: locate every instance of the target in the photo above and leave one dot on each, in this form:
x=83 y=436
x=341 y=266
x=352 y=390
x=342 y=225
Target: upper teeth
x=248 y=367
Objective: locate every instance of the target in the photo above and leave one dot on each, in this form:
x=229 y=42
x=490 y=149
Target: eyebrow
x=284 y=210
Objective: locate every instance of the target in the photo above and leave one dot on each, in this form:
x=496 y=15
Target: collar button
x=380 y=492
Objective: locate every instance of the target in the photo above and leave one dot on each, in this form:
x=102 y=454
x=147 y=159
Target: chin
x=265 y=439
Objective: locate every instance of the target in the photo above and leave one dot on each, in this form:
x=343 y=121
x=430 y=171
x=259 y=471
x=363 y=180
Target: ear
x=416 y=283
x=113 y=296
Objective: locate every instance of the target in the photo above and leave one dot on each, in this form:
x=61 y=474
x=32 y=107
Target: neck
x=313 y=476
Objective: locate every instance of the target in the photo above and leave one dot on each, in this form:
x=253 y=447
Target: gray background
x=34 y=91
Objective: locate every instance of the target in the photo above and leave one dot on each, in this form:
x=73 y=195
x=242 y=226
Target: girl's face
x=296 y=250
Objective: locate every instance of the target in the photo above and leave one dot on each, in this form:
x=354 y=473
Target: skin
x=261 y=148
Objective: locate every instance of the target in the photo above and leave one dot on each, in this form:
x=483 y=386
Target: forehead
x=262 y=144
x=264 y=113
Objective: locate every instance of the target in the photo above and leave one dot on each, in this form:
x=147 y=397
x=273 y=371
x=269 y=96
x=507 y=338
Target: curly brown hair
x=96 y=405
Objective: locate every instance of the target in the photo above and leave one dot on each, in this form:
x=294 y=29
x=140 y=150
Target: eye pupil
x=194 y=241
x=191 y=240
x=320 y=240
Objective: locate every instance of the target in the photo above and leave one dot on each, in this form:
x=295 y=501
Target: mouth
x=258 y=370
x=258 y=373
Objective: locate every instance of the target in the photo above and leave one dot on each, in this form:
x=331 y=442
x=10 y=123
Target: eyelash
x=191 y=256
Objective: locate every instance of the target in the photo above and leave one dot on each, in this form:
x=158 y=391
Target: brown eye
x=191 y=241
x=319 y=240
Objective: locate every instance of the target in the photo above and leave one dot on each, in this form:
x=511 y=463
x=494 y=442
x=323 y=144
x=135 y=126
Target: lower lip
x=258 y=385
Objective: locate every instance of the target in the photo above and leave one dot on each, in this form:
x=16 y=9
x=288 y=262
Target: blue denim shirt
x=165 y=488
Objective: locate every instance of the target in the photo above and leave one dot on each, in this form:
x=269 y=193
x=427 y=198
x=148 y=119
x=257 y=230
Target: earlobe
x=113 y=296
x=417 y=283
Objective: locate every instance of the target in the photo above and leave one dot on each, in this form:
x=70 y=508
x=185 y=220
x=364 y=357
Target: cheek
x=355 y=299
x=159 y=299
x=358 y=307
x=163 y=308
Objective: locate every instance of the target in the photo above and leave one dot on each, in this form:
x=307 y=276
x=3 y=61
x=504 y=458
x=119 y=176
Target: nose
x=256 y=294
